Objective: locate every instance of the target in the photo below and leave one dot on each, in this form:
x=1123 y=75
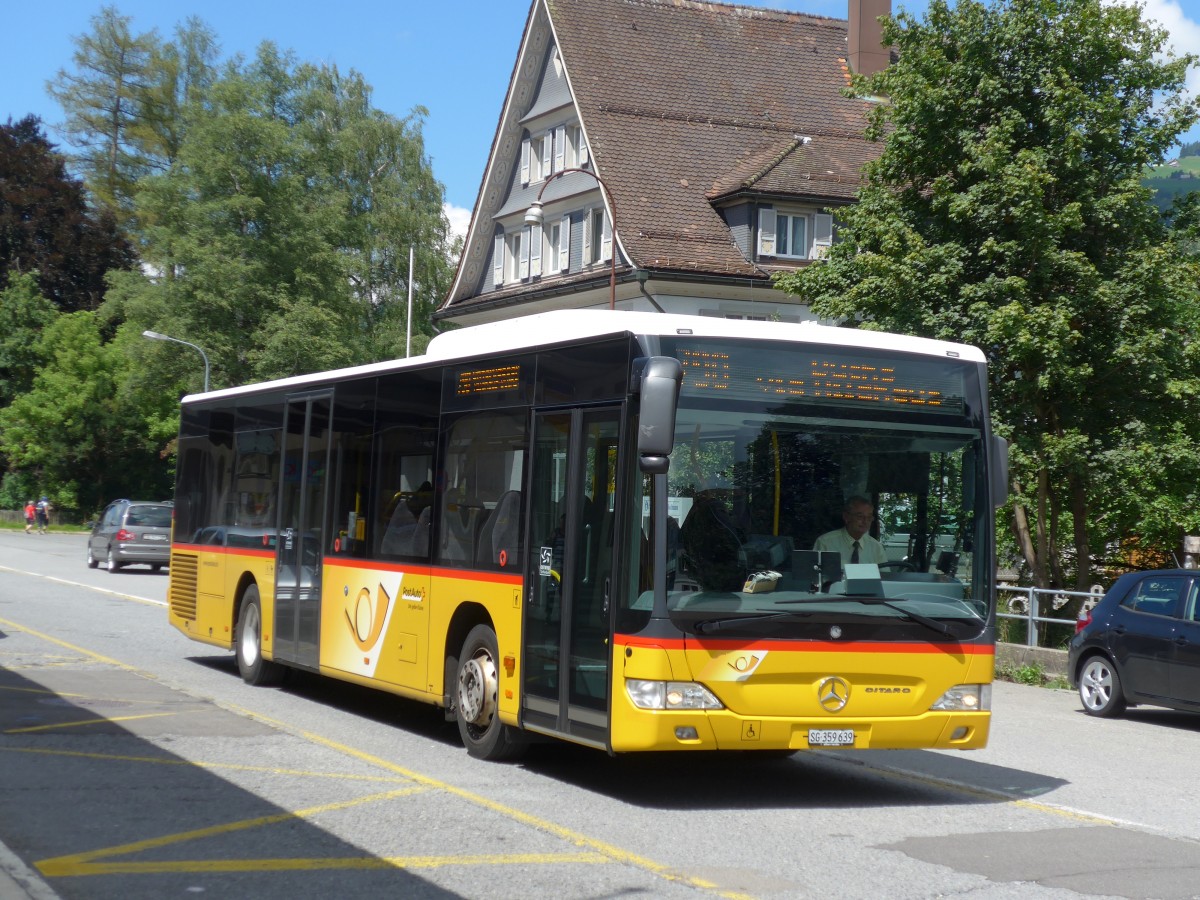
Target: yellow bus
x=603 y=527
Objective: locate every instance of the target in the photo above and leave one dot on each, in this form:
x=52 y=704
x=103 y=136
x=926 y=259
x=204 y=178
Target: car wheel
x=1100 y=688
x=476 y=692
x=248 y=644
x=92 y=562
x=113 y=565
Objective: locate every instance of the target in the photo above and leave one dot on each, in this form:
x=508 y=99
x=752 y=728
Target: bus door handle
x=607 y=591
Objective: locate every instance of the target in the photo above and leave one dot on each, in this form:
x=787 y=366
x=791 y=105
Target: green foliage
x=284 y=224
x=103 y=99
x=71 y=431
x=24 y=312
x=1006 y=210
x=46 y=225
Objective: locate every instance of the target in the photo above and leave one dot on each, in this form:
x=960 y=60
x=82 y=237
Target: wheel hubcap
x=250 y=637
x=478 y=684
x=1095 y=687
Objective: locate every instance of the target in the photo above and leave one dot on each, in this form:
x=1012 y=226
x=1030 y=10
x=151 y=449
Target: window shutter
x=583 y=148
x=564 y=245
x=498 y=261
x=605 y=239
x=525 y=161
x=587 y=238
x=560 y=147
x=535 y=250
x=546 y=148
x=822 y=235
x=766 y=231
x=523 y=270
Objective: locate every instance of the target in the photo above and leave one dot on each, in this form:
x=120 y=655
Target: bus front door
x=570 y=574
x=302 y=493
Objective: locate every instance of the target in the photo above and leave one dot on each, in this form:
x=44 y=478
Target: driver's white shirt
x=869 y=549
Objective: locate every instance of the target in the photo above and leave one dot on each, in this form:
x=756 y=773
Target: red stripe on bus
x=799 y=646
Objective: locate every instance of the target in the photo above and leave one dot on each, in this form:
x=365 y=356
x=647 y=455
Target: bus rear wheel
x=476 y=700
x=248 y=645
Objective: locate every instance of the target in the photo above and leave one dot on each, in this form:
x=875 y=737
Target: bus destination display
x=824 y=378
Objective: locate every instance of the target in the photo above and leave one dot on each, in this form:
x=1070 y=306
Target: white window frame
x=596 y=251
x=818 y=232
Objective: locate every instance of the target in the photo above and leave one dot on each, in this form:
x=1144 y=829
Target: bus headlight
x=670 y=695
x=965 y=698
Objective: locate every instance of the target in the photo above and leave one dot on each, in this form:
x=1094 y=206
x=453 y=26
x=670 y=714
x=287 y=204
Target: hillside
x=1175 y=178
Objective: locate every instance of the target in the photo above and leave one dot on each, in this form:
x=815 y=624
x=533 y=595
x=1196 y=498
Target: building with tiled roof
x=679 y=152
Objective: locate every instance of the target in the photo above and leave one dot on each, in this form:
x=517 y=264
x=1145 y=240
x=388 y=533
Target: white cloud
x=460 y=219
x=1183 y=32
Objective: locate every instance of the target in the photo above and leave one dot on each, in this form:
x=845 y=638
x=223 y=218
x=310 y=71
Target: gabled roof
x=685 y=104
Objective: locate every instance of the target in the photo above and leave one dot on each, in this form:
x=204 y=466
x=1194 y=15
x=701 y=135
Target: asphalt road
x=136 y=764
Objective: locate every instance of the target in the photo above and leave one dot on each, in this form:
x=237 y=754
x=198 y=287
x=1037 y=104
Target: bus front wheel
x=253 y=668
x=476 y=700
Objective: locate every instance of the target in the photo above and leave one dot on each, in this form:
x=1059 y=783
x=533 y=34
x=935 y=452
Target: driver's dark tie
x=854 y=555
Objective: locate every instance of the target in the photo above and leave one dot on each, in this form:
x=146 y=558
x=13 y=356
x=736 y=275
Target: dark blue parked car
x=1140 y=644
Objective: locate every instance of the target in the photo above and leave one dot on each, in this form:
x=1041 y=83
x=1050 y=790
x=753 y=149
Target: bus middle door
x=570 y=579
x=301 y=543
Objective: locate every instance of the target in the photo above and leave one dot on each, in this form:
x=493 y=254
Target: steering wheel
x=904 y=564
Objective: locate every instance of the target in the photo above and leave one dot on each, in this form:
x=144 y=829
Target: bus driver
x=852 y=541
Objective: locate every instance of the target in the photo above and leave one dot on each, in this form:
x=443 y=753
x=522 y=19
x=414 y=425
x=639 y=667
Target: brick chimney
x=866 y=53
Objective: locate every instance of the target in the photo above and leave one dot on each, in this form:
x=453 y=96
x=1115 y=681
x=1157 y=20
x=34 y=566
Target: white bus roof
x=562 y=326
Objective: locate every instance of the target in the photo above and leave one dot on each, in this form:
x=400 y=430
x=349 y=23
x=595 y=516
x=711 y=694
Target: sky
x=453 y=57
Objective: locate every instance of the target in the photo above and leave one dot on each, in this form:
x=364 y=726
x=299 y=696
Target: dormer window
x=793 y=233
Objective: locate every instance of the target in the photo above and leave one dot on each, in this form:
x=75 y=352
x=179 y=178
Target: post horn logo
x=833 y=694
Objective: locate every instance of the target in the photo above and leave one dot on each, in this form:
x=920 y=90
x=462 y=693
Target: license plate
x=154 y=537
x=831 y=737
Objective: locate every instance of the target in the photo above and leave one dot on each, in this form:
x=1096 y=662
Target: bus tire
x=248 y=646
x=476 y=700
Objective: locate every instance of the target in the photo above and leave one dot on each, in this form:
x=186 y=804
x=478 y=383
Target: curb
x=19 y=882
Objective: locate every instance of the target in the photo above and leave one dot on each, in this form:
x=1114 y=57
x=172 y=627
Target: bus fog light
x=965 y=698
x=686 y=733
x=670 y=695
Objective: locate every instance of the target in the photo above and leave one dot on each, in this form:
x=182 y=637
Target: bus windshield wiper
x=933 y=624
x=708 y=626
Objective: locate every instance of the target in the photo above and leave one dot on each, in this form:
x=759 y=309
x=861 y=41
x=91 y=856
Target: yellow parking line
x=78 y=722
x=335 y=862
x=610 y=851
x=82 y=863
x=233 y=767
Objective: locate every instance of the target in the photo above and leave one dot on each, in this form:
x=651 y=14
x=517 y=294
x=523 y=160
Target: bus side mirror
x=657 y=381
x=999 y=469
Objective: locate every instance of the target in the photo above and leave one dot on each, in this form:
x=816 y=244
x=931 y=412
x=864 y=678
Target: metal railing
x=1028 y=604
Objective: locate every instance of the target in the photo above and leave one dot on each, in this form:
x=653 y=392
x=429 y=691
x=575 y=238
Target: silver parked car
x=131 y=531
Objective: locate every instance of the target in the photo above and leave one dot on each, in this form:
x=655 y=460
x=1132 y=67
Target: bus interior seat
x=459 y=529
x=501 y=532
x=420 y=538
x=398 y=537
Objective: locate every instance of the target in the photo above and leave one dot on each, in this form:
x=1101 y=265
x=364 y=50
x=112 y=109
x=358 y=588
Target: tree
x=1006 y=210
x=24 y=313
x=74 y=435
x=283 y=225
x=104 y=101
x=46 y=225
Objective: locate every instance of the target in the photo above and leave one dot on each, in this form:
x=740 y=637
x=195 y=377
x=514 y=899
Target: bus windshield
x=823 y=517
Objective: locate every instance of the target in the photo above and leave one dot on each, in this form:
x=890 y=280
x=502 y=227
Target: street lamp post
x=535 y=216
x=155 y=336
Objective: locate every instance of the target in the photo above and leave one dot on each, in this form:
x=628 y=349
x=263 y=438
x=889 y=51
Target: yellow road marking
x=610 y=851
x=235 y=767
x=81 y=863
x=334 y=862
x=57 y=725
x=87 y=653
